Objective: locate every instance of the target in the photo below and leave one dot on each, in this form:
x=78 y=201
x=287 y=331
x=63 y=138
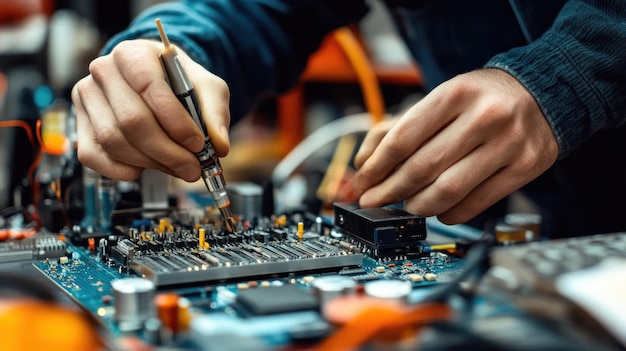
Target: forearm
x=577 y=70
x=256 y=46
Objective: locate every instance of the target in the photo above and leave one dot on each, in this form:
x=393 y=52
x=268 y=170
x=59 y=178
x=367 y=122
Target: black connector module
x=385 y=231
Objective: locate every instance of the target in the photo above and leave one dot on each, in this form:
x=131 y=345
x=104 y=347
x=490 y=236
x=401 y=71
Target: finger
x=138 y=125
x=214 y=98
x=415 y=127
x=456 y=182
x=451 y=144
x=103 y=127
x=495 y=188
x=141 y=67
x=371 y=140
x=90 y=153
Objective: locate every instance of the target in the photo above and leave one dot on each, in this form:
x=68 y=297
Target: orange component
x=91 y=243
x=173 y=311
x=363 y=319
x=12 y=11
x=167 y=310
x=29 y=325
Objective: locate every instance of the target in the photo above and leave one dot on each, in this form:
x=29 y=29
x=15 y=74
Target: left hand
x=470 y=142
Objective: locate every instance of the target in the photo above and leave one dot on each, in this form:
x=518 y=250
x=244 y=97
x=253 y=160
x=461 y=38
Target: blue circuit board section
x=260 y=285
x=87 y=280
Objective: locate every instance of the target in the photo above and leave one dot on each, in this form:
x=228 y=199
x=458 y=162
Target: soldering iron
x=211 y=168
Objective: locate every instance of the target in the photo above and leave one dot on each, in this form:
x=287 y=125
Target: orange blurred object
x=364 y=320
x=34 y=325
x=173 y=311
x=12 y=11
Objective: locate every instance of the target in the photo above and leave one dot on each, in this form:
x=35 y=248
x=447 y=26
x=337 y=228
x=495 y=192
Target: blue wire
x=520 y=21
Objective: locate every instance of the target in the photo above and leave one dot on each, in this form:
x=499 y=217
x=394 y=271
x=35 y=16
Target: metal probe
x=211 y=169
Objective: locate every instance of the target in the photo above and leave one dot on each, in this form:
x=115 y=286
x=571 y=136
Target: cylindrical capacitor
x=531 y=222
x=133 y=299
x=507 y=234
x=326 y=288
x=389 y=289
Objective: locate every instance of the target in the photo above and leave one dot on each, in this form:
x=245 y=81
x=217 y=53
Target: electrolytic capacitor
x=389 y=289
x=326 y=288
x=133 y=299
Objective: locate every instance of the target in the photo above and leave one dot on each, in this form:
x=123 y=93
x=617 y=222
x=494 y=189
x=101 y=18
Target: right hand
x=128 y=118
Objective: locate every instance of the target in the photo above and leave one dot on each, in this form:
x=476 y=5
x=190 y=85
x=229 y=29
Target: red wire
x=21 y=124
x=37 y=158
x=31 y=174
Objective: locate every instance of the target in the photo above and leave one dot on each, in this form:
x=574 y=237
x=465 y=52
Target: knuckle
x=85 y=156
x=107 y=138
x=98 y=68
x=421 y=168
x=448 y=189
x=131 y=120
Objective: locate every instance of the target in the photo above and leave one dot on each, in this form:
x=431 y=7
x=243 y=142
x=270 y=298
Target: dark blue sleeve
x=256 y=46
x=576 y=70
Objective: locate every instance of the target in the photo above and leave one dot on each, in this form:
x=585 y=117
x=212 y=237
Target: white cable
x=356 y=123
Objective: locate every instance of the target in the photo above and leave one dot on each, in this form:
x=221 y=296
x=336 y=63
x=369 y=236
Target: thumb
x=214 y=99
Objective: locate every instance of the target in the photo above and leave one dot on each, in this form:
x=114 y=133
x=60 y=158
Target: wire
x=328 y=188
x=23 y=125
x=351 y=124
x=384 y=324
x=366 y=75
x=474 y=258
x=37 y=157
x=31 y=175
x=520 y=21
x=374 y=103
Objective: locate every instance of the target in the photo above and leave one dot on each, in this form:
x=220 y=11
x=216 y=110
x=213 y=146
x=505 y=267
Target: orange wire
x=366 y=75
x=21 y=124
x=373 y=99
x=31 y=172
x=383 y=324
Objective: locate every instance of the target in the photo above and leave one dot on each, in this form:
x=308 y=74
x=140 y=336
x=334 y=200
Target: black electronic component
x=275 y=299
x=37 y=247
x=382 y=232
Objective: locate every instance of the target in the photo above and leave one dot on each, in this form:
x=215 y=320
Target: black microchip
x=275 y=299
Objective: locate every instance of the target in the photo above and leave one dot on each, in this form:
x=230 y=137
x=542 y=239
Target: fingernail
x=224 y=132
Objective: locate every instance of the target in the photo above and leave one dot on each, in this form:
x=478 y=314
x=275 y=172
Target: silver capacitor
x=389 y=289
x=325 y=288
x=133 y=299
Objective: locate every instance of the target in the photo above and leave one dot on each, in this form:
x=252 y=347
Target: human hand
x=128 y=118
x=469 y=143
